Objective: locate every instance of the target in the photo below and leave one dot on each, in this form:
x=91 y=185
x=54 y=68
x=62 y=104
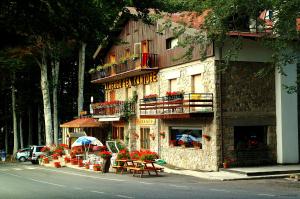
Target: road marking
x=82 y=175
x=59 y=185
x=145 y=183
x=30 y=168
x=123 y=196
x=98 y=192
x=220 y=190
x=178 y=186
x=266 y=194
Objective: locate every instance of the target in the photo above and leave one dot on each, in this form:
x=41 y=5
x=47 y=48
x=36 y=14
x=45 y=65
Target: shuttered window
x=145 y=138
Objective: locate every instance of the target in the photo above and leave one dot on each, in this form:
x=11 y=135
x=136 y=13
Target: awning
x=82 y=123
x=76 y=134
x=109 y=119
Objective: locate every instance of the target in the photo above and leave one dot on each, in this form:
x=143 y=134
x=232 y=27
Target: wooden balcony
x=113 y=109
x=143 y=64
x=180 y=106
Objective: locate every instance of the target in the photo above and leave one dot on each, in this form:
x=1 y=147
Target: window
x=188 y=135
x=197 y=84
x=145 y=138
x=129 y=93
x=137 y=49
x=173 y=85
x=127 y=53
x=171 y=43
x=112 y=58
x=147 y=89
x=112 y=95
x=118 y=132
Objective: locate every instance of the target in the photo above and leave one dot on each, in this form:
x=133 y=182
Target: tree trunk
x=15 y=127
x=55 y=74
x=46 y=101
x=81 y=69
x=39 y=125
x=6 y=138
x=29 y=125
x=21 y=132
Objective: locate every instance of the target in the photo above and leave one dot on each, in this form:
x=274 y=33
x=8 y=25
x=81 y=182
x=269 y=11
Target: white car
x=23 y=154
x=35 y=154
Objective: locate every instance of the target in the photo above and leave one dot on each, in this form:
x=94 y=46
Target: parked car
x=23 y=154
x=35 y=154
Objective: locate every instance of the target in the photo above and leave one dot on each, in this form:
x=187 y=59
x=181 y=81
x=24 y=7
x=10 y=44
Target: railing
x=114 y=108
x=176 y=104
x=143 y=61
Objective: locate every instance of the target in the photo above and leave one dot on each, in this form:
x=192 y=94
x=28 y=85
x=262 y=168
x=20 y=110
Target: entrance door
x=145 y=138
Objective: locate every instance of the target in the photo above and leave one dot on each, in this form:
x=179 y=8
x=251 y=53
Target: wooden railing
x=184 y=104
x=113 y=108
x=143 y=61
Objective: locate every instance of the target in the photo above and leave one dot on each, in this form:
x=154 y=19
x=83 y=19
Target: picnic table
x=139 y=167
x=122 y=164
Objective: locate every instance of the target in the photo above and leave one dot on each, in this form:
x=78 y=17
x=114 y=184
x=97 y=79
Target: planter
x=152 y=99
x=97 y=167
x=105 y=165
x=87 y=166
x=225 y=165
x=57 y=164
x=175 y=97
x=46 y=161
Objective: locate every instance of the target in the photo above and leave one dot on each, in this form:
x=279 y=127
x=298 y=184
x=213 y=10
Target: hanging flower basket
x=162 y=134
x=206 y=137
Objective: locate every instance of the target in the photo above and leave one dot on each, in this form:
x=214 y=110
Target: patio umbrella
x=87 y=140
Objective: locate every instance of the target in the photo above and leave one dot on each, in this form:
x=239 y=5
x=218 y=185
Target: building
x=193 y=115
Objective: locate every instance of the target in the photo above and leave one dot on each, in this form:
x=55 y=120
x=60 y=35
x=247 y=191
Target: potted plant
x=97 y=167
x=206 y=137
x=227 y=162
x=182 y=143
x=123 y=155
x=152 y=135
x=150 y=98
x=106 y=155
x=148 y=156
x=197 y=145
x=135 y=155
x=172 y=143
x=162 y=134
x=177 y=95
x=57 y=164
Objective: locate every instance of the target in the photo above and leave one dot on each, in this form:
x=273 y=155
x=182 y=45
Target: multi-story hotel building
x=193 y=115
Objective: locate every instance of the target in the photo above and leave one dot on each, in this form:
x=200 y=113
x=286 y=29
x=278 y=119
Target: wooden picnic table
x=139 y=167
x=122 y=164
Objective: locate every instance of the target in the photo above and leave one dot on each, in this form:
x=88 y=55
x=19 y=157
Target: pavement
x=231 y=174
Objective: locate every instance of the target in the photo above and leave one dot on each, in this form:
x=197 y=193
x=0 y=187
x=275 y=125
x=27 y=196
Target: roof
x=82 y=123
x=190 y=19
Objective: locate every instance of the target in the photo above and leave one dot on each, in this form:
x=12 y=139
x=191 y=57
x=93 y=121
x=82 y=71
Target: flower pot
x=57 y=164
x=225 y=165
x=105 y=165
x=46 y=161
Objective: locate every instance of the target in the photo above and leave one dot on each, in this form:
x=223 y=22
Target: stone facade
x=248 y=101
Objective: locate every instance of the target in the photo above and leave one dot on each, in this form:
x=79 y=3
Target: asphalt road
x=23 y=180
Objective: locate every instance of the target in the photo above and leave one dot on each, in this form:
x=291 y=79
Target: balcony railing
x=113 y=109
x=143 y=61
x=177 y=106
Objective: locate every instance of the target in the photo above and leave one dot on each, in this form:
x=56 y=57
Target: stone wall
x=191 y=158
x=247 y=101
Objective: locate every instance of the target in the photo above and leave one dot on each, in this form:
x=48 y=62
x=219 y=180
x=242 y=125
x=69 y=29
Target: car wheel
x=22 y=159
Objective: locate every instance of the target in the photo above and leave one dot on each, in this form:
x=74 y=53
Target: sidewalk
x=243 y=173
x=246 y=173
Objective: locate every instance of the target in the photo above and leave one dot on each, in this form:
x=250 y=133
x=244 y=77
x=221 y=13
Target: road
x=23 y=180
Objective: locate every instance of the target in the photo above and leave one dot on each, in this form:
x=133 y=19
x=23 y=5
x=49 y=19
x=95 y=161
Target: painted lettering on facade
x=132 y=81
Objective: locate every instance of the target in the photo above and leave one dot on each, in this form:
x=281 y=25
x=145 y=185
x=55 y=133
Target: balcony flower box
x=174 y=95
x=150 y=98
